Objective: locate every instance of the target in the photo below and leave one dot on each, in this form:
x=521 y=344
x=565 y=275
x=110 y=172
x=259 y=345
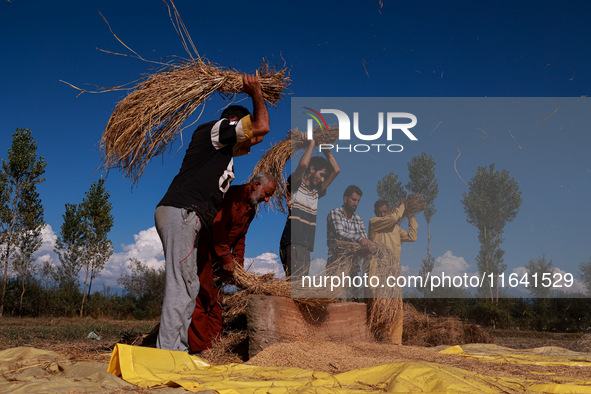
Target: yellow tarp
x=149 y=367
x=545 y=356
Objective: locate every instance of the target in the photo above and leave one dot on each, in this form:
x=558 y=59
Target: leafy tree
x=391 y=190
x=69 y=247
x=539 y=266
x=19 y=177
x=29 y=239
x=421 y=172
x=145 y=285
x=586 y=275
x=83 y=242
x=493 y=200
x=98 y=221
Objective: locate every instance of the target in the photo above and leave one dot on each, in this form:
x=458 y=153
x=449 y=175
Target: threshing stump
x=273 y=319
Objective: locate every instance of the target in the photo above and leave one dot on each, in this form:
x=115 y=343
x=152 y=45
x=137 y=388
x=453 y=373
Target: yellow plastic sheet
x=546 y=356
x=148 y=367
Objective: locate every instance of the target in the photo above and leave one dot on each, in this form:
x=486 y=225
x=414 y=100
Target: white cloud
x=45 y=252
x=450 y=265
x=264 y=264
x=147 y=248
x=317 y=265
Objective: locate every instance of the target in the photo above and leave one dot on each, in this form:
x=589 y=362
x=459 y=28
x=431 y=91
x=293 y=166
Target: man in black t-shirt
x=193 y=200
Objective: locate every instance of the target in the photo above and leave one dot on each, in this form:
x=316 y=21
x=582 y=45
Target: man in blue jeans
x=193 y=200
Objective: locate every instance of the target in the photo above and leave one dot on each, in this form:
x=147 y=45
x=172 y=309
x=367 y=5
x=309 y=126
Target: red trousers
x=206 y=322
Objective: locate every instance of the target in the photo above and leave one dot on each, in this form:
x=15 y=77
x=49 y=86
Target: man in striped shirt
x=308 y=183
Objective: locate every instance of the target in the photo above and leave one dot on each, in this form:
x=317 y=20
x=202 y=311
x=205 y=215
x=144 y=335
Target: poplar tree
x=29 y=239
x=391 y=190
x=539 y=267
x=493 y=201
x=21 y=212
x=421 y=172
x=69 y=247
x=98 y=221
x=83 y=243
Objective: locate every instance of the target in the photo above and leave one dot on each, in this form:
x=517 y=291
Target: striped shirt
x=300 y=228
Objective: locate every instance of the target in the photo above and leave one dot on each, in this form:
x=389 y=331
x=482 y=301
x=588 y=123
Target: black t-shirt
x=208 y=168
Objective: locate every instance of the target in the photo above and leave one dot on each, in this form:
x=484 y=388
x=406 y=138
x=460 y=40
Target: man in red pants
x=222 y=247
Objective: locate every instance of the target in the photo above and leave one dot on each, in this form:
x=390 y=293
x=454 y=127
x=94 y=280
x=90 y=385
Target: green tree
x=391 y=190
x=98 y=221
x=421 y=172
x=19 y=177
x=29 y=239
x=493 y=200
x=145 y=285
x=539 y=267
x=69 y=247
x=83 y=243
x=586 y=275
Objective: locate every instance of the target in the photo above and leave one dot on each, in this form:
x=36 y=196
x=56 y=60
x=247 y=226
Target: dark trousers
x=295 y=260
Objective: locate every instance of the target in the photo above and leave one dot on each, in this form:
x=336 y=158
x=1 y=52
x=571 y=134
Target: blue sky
x=409 y=49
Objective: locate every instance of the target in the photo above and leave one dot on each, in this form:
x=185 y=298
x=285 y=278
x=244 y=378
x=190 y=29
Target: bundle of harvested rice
x=269 y=285
x=275 y=159
x=382 y=313
x=234 y=305
x=151 y=116
x=259 y=284
x=414 y=204
x=384 y=308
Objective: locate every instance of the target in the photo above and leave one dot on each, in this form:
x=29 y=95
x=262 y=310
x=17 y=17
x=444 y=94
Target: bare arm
x=304 y=163
x=335 y=169
x=260 y=118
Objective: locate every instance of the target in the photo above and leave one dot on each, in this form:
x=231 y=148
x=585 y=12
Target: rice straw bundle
x=384 y=308
x=414 y=204
x=151 y=116
x=382 y=313
x=275 y=159
x=269 y=285
x=233 y=305
x=259 y=284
